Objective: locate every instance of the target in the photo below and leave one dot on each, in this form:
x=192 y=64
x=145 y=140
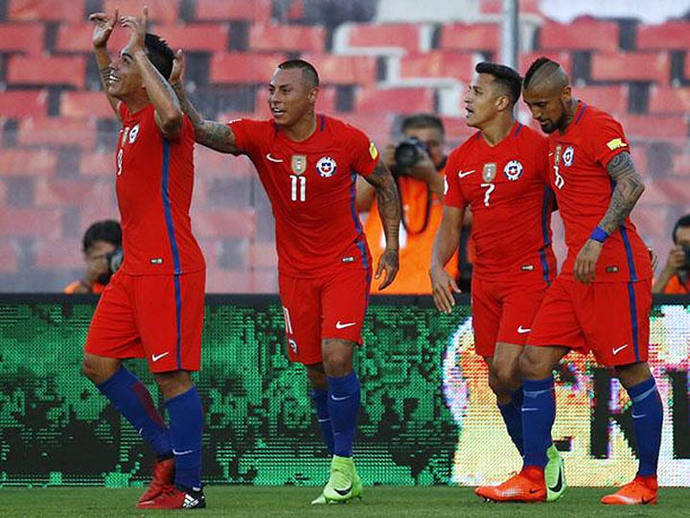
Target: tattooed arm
x=388 y=202
x=628 y=189
x=103 y=27
x=212 y=134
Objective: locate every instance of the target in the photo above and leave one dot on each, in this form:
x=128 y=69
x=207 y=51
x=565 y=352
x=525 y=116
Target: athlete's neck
x=495 y=130
x=136 y=102
x=570 y=110
x=302 y=129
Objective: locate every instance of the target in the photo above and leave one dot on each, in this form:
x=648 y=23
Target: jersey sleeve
x=247 y=134
x=365 y=155
x=606 y=139
x=453 y=196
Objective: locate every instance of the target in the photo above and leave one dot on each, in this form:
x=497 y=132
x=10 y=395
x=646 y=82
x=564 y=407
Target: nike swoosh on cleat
x=559 y=483
x=343 y=492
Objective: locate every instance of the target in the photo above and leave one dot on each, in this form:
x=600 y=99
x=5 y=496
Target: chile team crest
x=513 y=170
x=568 y=156
x=326 y=166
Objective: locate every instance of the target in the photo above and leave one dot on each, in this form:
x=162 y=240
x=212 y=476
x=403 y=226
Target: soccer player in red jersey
x=501 y=172
x=601 y=300
x=153 y=306
x=308 y=164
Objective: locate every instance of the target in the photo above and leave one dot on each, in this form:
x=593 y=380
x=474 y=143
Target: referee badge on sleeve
x=489 y=172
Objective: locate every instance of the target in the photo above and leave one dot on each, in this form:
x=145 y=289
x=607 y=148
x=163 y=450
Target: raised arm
x=446 y=243
x=388 y=202
x=103 y=27
x=212 y=134
x=168 y=114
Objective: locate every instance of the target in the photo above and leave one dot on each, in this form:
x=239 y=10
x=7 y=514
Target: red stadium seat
x=395 y=100
x=674 y=35
x=325 y=103
x=639 y=156
x=581 y=34
x=46 y=10
x=23 y=103
x=30 y=222
x=224 y=222
x=58 y=193
x=57 y=131
x=438 y=63
x=195 y=37
x=27 y=162
x=22 y=37
x=468 y=37
x=496 y=7
x=631 y=66
x=377 y=126
x=257 y=10
x=650 y=126
x=612 y=99
x=59 y=253
x=243 y=68
x=98 y=164
x=562 y=58
x=213 y=164
x=76 y=37
x=9 y=251
x=335 y=69
x=159 y=10
x=669 y=100
x=85 y=104
x=405 y=36
x=287 y=38
x=681 y=161
x=53 y=70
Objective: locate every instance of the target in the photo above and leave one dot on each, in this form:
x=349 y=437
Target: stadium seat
x=257 y=10
x=163 y=11
x=243 y=68
x=649 y=126
x=496 y=7
x=335 y=69
x=59 y=193
x=613 y=98
x=30 y=222
x=224 y=222
x=376 y=125
x=27 y=162
x=673 y=35
x=468 y=37
x=22 y=37
x=99 y=163
x=631 y=66
x=195 y=36
x=404 y=36
x=394 y=100
x=57 y=131
x=669 y=100
x=82 y=104
x=9 y=251
x=58 y=253
x=211 y=163
x=53 y=70
x=438 y=63
x=286 y=38
x=23 y=103
x=581 y=34
x=46 y=10
x=325 y=103
x=681 y=161
x=77 y=37
x=563 y=58
x=639 y=155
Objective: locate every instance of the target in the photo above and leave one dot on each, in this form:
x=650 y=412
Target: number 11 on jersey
x=298 y=191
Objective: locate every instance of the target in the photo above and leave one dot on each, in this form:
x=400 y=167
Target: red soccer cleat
x=163 y=473
x=173 y=498
x=526 y=486
x=641 y=491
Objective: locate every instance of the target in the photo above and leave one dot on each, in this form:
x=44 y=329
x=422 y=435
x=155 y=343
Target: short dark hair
x=422 y=120
x=159 y=54
x=682 y=222
x=536 y=65
x=308 y=70
x=107 y=230
x=505 y=76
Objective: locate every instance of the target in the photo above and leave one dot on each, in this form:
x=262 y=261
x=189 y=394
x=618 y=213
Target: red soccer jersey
x=154 y=183
x=507 y=188
x=311 y=185
x=583 y=190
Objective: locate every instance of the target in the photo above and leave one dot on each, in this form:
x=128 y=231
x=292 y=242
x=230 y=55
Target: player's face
x=433 y=139
x=548 y=107
x=481 y=102
x=125 y=78
x=289 y=96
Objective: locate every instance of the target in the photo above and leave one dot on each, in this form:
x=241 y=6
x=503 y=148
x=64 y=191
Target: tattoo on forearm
x=628 y=189
x=388 y=202
x=214 y=135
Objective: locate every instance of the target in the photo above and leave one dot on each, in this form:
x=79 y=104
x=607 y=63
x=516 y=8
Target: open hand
x=177 y=74
x=103 y=27
x=586 y=261
x=137 y=24
x=443 y=286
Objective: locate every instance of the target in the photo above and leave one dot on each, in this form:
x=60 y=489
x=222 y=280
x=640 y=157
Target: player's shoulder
x=527 y=134
x=338 y=126
x=591 y=115
x=253 y=124
x=465 y=147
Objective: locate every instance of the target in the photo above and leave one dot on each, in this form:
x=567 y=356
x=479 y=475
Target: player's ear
x=566 y=94
x=503 y=102
x=313 y=94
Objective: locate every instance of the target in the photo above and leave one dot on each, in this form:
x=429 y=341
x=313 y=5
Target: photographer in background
x=417 y=163
x=674 y=277
x=102 y=247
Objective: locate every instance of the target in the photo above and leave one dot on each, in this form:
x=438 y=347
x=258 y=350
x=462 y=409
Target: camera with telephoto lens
x=114 y=260
x=407 y=154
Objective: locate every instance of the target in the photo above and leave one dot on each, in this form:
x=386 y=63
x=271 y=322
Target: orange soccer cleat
x=174 y=498
x=163 y=473
x=526 y=486
x=641 y=491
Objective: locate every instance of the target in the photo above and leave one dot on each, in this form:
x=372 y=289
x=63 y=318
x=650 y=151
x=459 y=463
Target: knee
x=337 y=358
x=97 y=370
x=173 y=384
x=530 y=367
x=495 y=384
x=506 y=375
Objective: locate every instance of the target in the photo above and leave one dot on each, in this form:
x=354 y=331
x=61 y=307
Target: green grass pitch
x=387 y=502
